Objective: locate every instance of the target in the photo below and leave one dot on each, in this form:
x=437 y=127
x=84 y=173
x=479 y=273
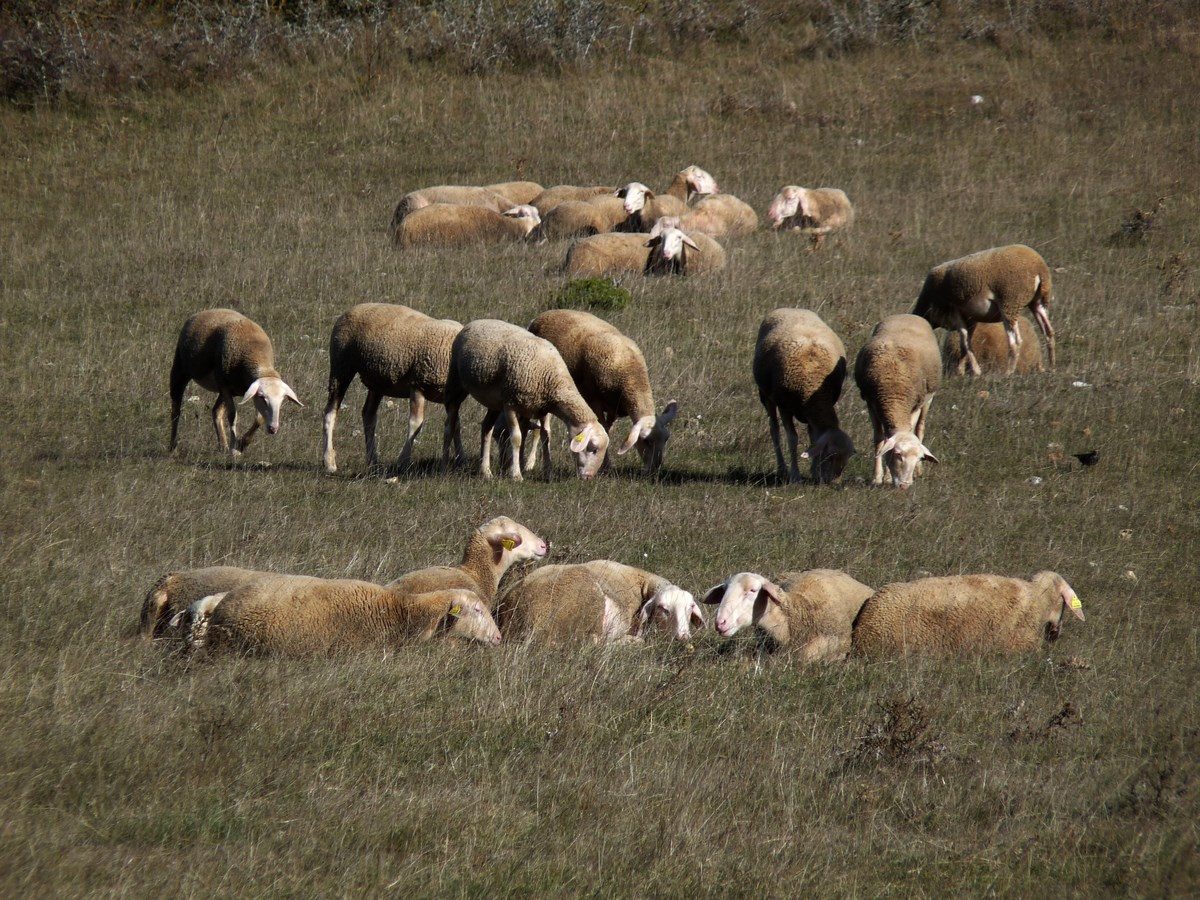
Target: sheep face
x=829 y=455
x=527 y=215
x=589 y=447
x=1062 y=599
x=671 y=608
x=512 y=542
x=902 y=452
x=743 y=600
x=269 y=394
x=699 y=181
x=468 y=619
x=789 y=201
x=650 y=435
x=635 y=194
x=668 y=249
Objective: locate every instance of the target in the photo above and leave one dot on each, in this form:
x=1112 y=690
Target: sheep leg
x=370 y=416
x=179 y=383
x=1014 y=342
x=964 y=332
x=244 y=440
x=531 y=450
x=451 y=433
x=919 y=417
x=221 y=423
x=773 y=423
x=1043 y=319
x=337 y=392
x=547 y=469
x=485 y=442
x=416 y=421
x=789 y=426
x=607 y=420
x=513 y=421
x=878 y=437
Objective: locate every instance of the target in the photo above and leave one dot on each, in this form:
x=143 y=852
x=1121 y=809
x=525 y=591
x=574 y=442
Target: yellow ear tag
x=508 y=544
x=579 y=442
x=1074 y=602
x=456 y=610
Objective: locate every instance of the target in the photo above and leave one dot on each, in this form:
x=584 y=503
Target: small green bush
x=596 y=293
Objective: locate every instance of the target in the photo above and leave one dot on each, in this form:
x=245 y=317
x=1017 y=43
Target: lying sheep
x=522 y=377
x=809 y=613
x=964 y=613
x=799 y=367
x=491 y=550
x=603 y=601
x=989 y=286
x=397 y=352
x=671 y=251
x=719 y=216
x=989 y=343
x=610 y=372
x=607 y=254
x=223 y=351
x=295 y=615
x=449 y=194
x=519 y=193
x=551 y=197
x=643 y=207
x=580 y=218
x=446 y=225
x=176 y=591
x=898 y=370
x=812 y=211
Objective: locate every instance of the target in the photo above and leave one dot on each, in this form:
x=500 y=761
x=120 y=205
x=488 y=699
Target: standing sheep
x=551 y=197
x=223 y=351
x=397 y=352
x=989 y=286
x=176 y=591
x=522 y=377
x=989 y=343
x=610 y=372
x=450 y=195
x=676 y=252
x=812 y=211
x=446 y=225
x=964 y=613
x=809 y=613
x=601 y=600
x=898 y=371
x=799 y=367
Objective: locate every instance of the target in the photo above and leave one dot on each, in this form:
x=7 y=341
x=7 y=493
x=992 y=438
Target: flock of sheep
x=580 y=369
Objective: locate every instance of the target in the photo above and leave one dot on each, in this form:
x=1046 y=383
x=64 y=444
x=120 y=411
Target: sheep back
x=221 y=349
x=800 y=365
x=897 y=368
x=518 y=193
x=607 y=254
x=447 y=225
x=821 y=608
x=393 y=349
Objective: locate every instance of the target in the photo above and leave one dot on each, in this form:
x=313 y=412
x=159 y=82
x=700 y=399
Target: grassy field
x=654 y=771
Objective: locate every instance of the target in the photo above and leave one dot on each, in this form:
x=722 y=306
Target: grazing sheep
x=522 y=377
x=223 y=351
x=720 y=216
x=176 y=591
x=521 y=193
x=397 y=352
x=446 y=225
x=809 y=613
x=964 y=613
x=989 y=286
x=295 y=615
x=451 y=195
x=989 y=343
x=600 y=600
x=670 y=251
x=551 y=197
x=580 y=218
x=610 y=372
x=799 y=367
x=898 y=370
x=812 y=211
x=607 y=254
x=491 y=550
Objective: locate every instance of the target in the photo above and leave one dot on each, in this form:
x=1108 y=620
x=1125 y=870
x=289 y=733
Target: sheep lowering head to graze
x=964 y=613
x=448 y=225
x=812 y=211
x=223 y=351
x=675 y=252
x=989 y=286
x=809 y=613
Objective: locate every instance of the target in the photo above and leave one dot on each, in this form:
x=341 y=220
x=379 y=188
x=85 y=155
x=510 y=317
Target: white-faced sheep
x=520 y=193
x=602 y=601
x=610 y=372
x=580 y=218
x=807 y=613
x=560 y=193
x=674 y=251
x=812 y=211
x=176 y=591
x=223 y=351
x=799 y=367
x=522 y=377
x=491 y=550
x=397 y=352
x=643 y=207
x=446 y=225
x=452 y=195
x=964 y=613
x=989 y=286
x=295 y=615
x=989 y=343
x=898 y=371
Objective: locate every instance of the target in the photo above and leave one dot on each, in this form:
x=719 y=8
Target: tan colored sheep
x=676 y=252
x=964 y=613
x=989 y=286
x=719 y=216
x=452 y=195
x=602 y=601
x=898 y=371
x=176 y=591
x=812 y=211
x=551 y=197
x=607 y=254
x=397 y=352
x=520 y=193
x=447 y=225
x=223 y=351
x=799 y=367
x=989 y=343
x=808 y=613
x=643 y=207
x=579 y=218
x=610 y=372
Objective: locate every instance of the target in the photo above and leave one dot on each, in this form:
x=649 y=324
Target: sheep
x=607 y=254
x=601 y=600
x=397 y=352
x=551 y=197
x=223 y=351
x=799 y=367
x=720 y=216
x=452 y=195
x=491 y=550
x=989 y=343
x=579 y=218
x=522 y=377
x=809 y=613
x=176 y=591
x=446 y=225
x=520 y=193
x=670 y=248
x=296 y=615
x=898 y=370
x=610 y=372
x=989 y=286
x=812 y=211
x=979 y=613
x=643 y=207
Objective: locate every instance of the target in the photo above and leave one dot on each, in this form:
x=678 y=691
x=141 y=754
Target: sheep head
x=512 y=542
x=635 y=194
x=790 y=200
x=902 y=452
x=527 y=215
x=670 y=608
x=829 y=455
x=1060 y=597
x=745 y=599
x=268 y=394
x=668 y=243
x=467 y=618
x=699 y=181
x=589 y=445
x=650 y=435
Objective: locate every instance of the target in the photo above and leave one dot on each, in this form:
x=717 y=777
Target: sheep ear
x=687 y=240
x=581 y=440
x=643 y=618
x=772 y=590
x=291 y=395
x=715 y=593
x=251 y=391
x=696 y=617
x=649 y=194
x=926 y=455
x=1071 y=601
x=455 y=610
x=885 y=446
x=639 y=430
x=508 y=540
x=670 y=411
x=621 y=192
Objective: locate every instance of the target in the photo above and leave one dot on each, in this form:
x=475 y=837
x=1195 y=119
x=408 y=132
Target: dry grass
x=653 y=771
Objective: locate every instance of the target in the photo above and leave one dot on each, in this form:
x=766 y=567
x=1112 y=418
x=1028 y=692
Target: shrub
x=596 y=293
